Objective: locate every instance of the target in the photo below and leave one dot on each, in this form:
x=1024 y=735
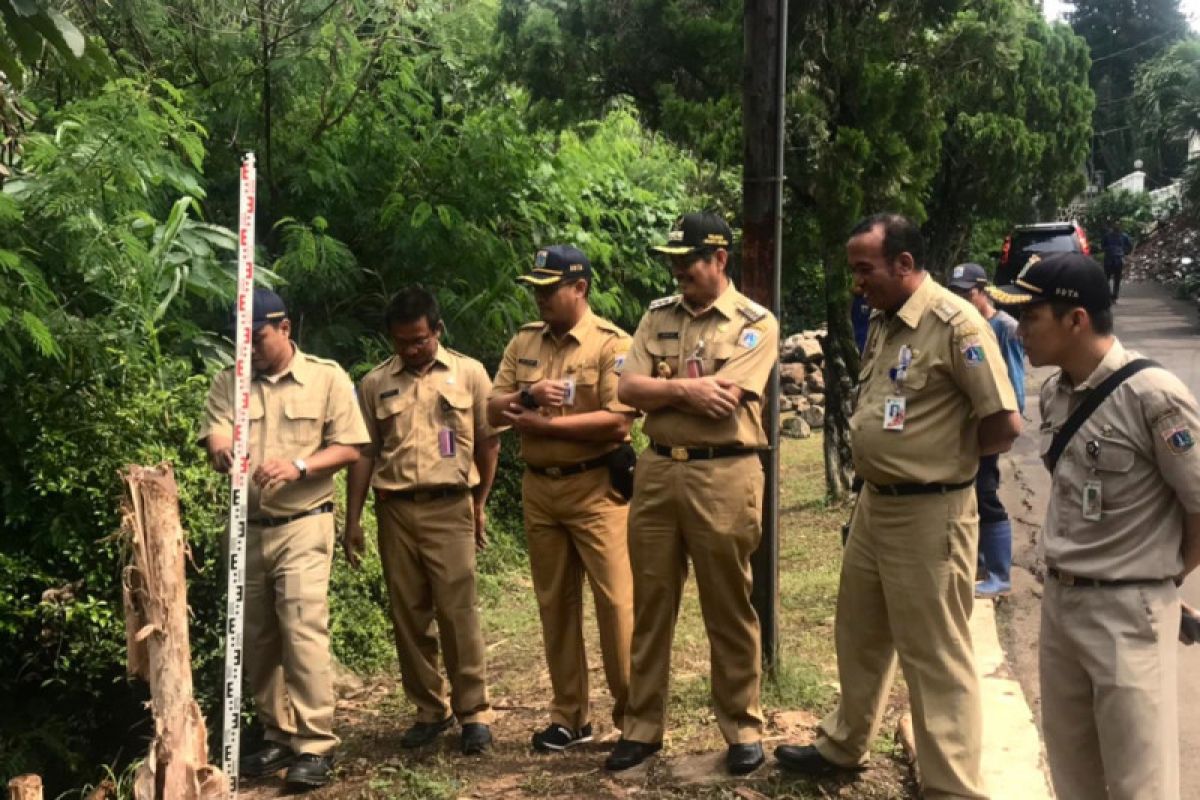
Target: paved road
x=1151 y=321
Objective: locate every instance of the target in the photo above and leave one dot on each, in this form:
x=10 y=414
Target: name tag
x=527 y=362
x=389 y=393
x=1092 y=499
x=893 y=414
x=668 y=334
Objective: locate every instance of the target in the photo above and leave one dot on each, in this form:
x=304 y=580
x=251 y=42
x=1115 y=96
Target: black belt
x=904 y=489
x=1067 y=579
x=574 y=469
x=420 y=495
x=275 y=522
x=700 y=453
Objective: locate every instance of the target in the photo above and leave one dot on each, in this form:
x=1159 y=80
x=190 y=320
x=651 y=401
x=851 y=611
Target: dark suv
x=1042 y=239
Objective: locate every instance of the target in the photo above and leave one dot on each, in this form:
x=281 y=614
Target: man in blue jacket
x=995 y=528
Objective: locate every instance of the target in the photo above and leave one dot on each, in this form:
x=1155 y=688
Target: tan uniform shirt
x=307 y=408
x=740 y=343
x=592 y=354
x=405 y=412
x=1139 y=447
x=956 y=378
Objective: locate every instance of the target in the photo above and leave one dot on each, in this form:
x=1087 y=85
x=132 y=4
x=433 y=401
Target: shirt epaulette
x=609 y=327
x=664 y=302
x=378 y=367
x=327 y=362
x=946 y=311
x=751 y=310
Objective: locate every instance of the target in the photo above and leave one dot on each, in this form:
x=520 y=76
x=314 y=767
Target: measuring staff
x=304 y=426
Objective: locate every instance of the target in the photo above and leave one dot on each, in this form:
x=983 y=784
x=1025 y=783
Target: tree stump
x=25 y=787
x=156 y=631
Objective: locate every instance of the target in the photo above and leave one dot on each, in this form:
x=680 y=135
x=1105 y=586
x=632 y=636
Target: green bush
x=1131 y=209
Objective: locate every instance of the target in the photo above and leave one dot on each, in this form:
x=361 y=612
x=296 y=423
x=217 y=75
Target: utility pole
x=763 y=87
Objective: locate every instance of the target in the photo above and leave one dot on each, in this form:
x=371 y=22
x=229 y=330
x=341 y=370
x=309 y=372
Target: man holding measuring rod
x=304 y=427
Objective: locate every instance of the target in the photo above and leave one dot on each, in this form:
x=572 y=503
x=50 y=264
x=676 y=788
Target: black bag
x=620 y=469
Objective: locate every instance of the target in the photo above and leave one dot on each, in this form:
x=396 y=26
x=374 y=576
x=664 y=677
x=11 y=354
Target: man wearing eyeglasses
x=431 y=463
x=557 y=387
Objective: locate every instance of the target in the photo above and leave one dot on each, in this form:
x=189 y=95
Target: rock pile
x=1170 y=254
x=802 y=384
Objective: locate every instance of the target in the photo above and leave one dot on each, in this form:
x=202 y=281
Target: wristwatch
x=300 y=465
x=528 y=400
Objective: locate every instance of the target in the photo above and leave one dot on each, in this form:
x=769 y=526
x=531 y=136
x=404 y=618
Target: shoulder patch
x=751 y=310
x=664 y=302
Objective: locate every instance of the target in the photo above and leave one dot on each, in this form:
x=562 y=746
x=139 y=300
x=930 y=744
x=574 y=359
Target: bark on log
x=25 y=787
x=156 y=631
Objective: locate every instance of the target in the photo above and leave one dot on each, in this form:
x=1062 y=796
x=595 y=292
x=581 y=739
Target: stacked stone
x=802 y=384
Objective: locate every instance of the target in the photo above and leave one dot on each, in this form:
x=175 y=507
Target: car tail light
x=1083 y=242
x=1004 y=251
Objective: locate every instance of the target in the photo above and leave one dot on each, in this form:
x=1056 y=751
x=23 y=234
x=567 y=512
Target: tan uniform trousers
x=907 y=588
x=1108 y=675
x=287 y=660
x=577 y=525
x=709 y=510
x=428 y=554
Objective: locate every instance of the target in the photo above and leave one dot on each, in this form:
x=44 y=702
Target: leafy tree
x=1122 y=34
x=30 y=28
x=1018 y=114
x=1167 y=103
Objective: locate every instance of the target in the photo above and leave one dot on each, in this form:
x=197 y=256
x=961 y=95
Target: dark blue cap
x=268 y=307
x=558 y=263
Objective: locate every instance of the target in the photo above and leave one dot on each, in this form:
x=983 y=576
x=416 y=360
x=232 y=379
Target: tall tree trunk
x=841 y=373
x=156 y=628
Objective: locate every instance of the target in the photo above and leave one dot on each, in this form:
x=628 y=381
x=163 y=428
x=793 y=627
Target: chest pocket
x=454 y=410
x=304 y=421
x=527 y=373
x=587 y=384
x=664 y=352
x=394 y=417
x=1113 y=464
x=718 y=354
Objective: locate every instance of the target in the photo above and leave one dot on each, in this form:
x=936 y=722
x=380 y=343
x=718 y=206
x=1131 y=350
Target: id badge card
x=695 y=367
x=569 y=392
x=1092 y=498
x=893 y=414
x=447 y=445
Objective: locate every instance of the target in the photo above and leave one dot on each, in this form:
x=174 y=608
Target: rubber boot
x=995 y=549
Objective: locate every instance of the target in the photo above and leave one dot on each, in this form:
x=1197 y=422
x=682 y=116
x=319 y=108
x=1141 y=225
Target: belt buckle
x=554 y=472
x=679 y=454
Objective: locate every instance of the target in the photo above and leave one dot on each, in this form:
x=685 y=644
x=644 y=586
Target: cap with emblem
x=696 y=231
x=968 y=276
x=1071 y=277
x=268 y=308
x=558 y=263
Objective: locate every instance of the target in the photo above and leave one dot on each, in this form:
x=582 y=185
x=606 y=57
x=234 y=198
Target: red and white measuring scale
x=240 y=473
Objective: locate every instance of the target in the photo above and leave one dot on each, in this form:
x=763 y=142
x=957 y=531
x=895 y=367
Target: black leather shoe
x=476 y=738
x=309 y=771
x=270 y=759
x=422 y=733
x=628 y=754
x=807 y=760
x=742 y=759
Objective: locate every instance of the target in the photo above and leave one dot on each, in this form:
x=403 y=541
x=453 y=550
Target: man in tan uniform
x=557 y=387
x=1122 y=528
x=431 y=462
x=304 y=427
x=698 y=368
x=933 y=397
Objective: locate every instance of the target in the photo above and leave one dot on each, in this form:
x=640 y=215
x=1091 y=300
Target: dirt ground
x=372 y=715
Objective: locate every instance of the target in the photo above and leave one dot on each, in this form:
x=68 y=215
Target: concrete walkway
x=1012 y=749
